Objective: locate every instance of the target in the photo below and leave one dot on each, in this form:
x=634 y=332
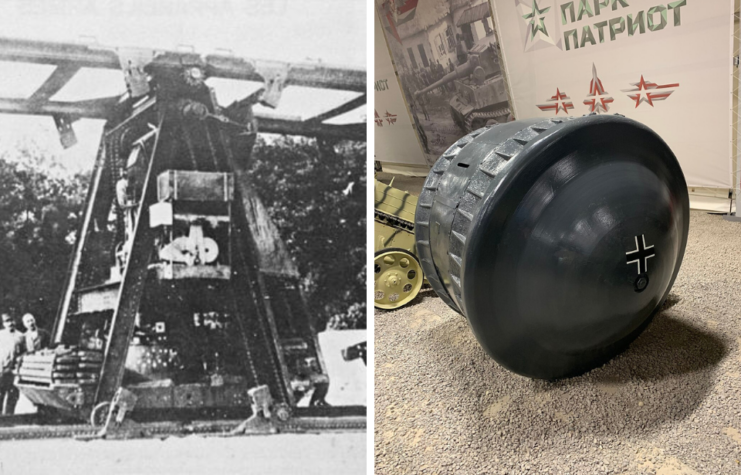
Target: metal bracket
x=123 y=403
x=356 y=351
x=67 y=135
x=275 y=75
x=248 y=127
x=262 y=421
x=133 y=61
x=240 y=112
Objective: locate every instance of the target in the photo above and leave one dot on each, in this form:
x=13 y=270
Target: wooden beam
x=54 y=83
x=103 y=109
x=223 y=66
x=346 y=107
x=91 y=109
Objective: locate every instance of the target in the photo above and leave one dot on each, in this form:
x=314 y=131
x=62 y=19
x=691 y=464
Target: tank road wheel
x=99 y=415
x=477 y=120
x=398 y=278
x=557 y=239
x=458 y=119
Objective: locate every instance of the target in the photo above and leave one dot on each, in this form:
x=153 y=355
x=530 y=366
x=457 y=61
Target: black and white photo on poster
x=447 y=58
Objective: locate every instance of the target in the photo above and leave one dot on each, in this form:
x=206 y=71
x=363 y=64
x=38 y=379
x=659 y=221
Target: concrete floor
x=669 y=405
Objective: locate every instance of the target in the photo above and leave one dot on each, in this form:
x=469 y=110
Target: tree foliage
x=40 y=208
x=315 y=194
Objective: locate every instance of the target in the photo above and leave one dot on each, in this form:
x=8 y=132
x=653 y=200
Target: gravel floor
x=669 y=405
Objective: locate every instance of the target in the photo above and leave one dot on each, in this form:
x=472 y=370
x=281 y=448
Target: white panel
x=686 y=48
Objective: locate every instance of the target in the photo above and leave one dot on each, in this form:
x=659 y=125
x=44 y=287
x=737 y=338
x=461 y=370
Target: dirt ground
x=327 y=453
x=670 y=405
x=321 y=454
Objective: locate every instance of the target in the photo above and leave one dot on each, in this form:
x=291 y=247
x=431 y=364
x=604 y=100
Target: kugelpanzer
x=558 y=239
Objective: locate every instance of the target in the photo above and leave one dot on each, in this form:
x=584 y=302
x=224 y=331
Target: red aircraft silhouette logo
x=647 y=91
x=600 y=101
x=557 y=103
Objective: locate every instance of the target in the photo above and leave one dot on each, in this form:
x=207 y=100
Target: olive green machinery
x=480 y=92
x=397 y=272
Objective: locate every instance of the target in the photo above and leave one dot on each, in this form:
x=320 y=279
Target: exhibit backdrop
x=431 y=42
x=667 y=65
x=395 y=139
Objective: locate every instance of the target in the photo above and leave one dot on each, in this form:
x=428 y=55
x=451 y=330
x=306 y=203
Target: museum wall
x=668 y=66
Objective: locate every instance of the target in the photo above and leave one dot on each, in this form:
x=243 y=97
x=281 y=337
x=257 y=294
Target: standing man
x=36 y=338
x=12 y=345
x=461 y=50
x=451 y=67
x=421 y=100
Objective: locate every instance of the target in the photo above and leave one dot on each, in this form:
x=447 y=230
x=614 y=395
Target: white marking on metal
x=641 y=252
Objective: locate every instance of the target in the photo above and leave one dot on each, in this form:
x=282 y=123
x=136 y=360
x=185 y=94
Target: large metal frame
x=167 y=98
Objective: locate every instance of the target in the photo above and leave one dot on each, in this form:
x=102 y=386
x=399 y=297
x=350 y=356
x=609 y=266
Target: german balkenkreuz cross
x=640 y=255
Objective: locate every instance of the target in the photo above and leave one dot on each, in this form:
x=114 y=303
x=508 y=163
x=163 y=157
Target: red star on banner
x=600 y=101
x=560 y=103
x=646 y=91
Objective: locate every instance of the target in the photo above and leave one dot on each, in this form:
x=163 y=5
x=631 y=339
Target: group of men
x=435 y=72
x=14 y=343
x=418 y=79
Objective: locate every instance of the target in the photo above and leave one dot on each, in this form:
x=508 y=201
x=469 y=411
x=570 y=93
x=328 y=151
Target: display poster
x=667 y=65
x=395 y=138
x=447 y=59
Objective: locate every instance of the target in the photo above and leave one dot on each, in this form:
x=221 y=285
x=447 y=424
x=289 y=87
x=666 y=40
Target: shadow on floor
x=662 y=377
x=671 y=300
x=668 y=348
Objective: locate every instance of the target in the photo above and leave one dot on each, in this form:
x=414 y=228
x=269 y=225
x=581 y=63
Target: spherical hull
x=557 y=239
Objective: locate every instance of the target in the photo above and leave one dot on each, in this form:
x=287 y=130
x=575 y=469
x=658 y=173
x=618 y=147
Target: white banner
x=667 y=65
x=395 y=138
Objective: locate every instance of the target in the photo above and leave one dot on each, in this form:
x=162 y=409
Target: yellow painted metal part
x=398 y=278
x=395 y=202
x=390 y=201
x=389 y=236
x=398 y=274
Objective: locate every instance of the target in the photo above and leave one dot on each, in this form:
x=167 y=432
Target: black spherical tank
x=558 y=239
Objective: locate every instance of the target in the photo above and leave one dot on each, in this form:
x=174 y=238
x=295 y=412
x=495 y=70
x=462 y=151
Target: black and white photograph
x=183 y=236
x=446 y=55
